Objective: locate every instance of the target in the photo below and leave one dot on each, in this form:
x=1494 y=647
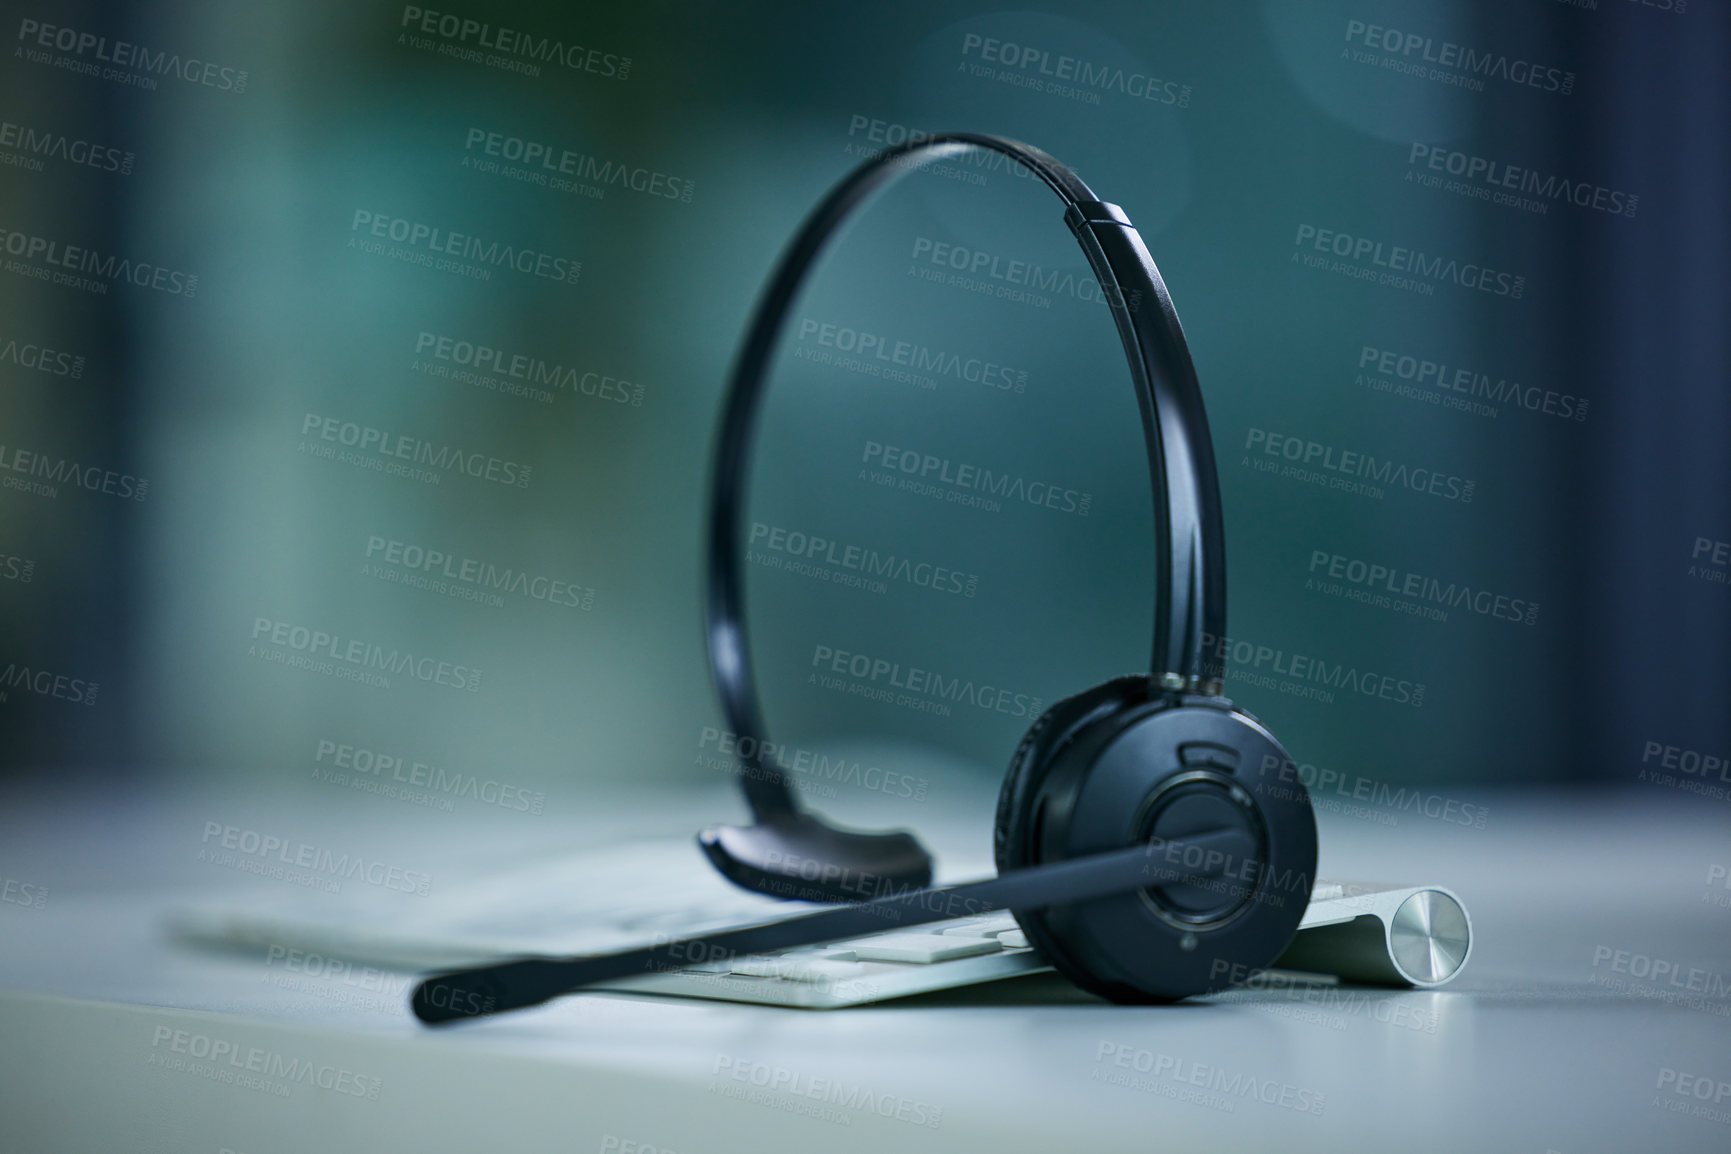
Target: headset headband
x=1190 y=560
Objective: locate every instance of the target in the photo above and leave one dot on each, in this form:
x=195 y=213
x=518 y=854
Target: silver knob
x=1429 y=937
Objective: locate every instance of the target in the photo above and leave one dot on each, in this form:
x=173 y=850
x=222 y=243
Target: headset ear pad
x=1123 y=764
x=1033 y=757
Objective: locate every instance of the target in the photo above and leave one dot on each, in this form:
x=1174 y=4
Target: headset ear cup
x=1034 y=757
x=1020 y=801
x=1107 y=770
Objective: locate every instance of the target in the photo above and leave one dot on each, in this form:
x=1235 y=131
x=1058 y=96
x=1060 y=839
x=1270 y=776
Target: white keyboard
x=637 y=895
x=939 y=956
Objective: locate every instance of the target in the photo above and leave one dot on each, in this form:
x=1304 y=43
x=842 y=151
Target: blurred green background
x=1250 y=124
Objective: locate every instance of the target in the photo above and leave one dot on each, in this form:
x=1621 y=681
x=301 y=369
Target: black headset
x=1136 y=841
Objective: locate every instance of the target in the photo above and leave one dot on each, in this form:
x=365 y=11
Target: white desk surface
x=1549 y=1041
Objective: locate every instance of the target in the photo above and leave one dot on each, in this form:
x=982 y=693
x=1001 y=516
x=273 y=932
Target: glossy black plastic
x=514 y=985
x=1190 y=578
x=1103 y=770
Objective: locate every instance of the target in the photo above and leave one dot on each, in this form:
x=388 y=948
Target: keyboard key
x=828 y=953
x=983 y=927
x=797 y=969
x=921 y=948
